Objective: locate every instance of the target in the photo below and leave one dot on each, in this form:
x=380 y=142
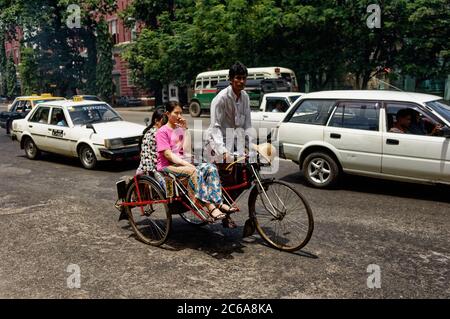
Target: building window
x=113 y=30
x=134 y=32
x=130 y=81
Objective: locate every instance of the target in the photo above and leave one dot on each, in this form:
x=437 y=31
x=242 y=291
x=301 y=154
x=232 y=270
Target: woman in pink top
x=173 y=146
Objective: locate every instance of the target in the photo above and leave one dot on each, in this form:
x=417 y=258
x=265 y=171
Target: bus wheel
x=194 y=109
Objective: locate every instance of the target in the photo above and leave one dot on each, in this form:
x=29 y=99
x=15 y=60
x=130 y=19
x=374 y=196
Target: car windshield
x=442 y=107
x=95 y=113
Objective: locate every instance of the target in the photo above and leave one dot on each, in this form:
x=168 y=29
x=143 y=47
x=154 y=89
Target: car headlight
x=114 y=143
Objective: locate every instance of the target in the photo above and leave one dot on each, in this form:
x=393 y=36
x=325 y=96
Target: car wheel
x=9 y=127
x=320 y=170
x=194 y=109
x=31 y=150
x=87 y=157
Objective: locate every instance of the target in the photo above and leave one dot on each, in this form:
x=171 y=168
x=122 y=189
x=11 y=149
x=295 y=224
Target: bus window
x=198 y=85
x=206 y=84
x=214 y=84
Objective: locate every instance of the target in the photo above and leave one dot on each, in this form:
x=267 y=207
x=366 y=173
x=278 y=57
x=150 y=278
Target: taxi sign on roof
x=77 y=98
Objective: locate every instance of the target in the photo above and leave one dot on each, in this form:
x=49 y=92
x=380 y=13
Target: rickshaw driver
x=230 y=113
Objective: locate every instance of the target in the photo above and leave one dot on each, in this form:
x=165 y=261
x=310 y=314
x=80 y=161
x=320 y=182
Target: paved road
x=53 y=213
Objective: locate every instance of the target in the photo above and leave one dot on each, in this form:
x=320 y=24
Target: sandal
x=218 y=216
x=228 y=223
x=230 y=210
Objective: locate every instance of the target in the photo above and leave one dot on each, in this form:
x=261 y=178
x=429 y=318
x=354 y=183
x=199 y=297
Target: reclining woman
x=173 y=147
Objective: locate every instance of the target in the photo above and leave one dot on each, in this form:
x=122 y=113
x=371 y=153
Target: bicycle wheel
x=192 y=219
x=152 y=222
x=282 y=215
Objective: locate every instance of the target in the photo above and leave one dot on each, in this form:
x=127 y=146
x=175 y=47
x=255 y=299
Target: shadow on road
x=370 y=185
x=213 y=240
x=107 y=166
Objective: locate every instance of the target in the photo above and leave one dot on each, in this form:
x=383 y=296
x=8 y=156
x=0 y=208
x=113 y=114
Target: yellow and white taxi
x=90 y=130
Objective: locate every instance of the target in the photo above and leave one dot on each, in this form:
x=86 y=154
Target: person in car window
x=402 y=122
x=408 y=121
x=44 y=118
x=278 y=108
x=60 y=120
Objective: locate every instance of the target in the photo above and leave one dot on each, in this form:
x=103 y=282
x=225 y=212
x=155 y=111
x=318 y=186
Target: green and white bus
x=205 y=88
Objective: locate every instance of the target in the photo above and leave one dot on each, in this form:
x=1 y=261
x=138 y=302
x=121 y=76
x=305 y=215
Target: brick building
x=121 y=36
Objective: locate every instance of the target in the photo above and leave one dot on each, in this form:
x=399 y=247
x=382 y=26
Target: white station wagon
x=386 y=134
x=90 y=130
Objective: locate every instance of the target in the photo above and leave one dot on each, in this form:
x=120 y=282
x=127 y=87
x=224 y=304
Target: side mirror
x=146 y=121
x=445 y=131
x=90 y=126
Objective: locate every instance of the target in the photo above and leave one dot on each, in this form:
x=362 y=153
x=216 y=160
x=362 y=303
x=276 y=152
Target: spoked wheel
x=282 y=215
x=190 y=218
x=150 y=222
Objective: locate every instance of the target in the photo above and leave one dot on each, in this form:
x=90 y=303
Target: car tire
x=9 y=127
x=31 y=150
x=321 y=170
x=87 y=157
x=194 y=109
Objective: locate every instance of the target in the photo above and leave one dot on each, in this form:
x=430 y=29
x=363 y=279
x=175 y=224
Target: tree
x=66 y=56
x=3 y=62
x=28 y=70
x=104 y=63
x=11 y=78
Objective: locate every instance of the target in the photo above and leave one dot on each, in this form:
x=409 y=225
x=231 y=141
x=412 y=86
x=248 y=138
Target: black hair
x=402 y=113
x=237 y=69
x=157 y=115
x=170 y=106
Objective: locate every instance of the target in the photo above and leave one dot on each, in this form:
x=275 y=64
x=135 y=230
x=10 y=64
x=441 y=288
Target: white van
x=357 y=132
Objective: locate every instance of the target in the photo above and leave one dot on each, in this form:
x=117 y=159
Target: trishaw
x=280 y=214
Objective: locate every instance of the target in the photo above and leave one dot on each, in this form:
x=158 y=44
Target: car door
x=57 y=132
x=354 y=129
x=275 y=111
x=304 y=124
x=414 y=154
x=38 y=127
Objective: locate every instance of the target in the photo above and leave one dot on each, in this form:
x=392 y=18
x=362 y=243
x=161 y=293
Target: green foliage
x=11 y=78
x=28 y=70
x=325 y=39
x=66 y=57
x=104 y=63
x=3 y=62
